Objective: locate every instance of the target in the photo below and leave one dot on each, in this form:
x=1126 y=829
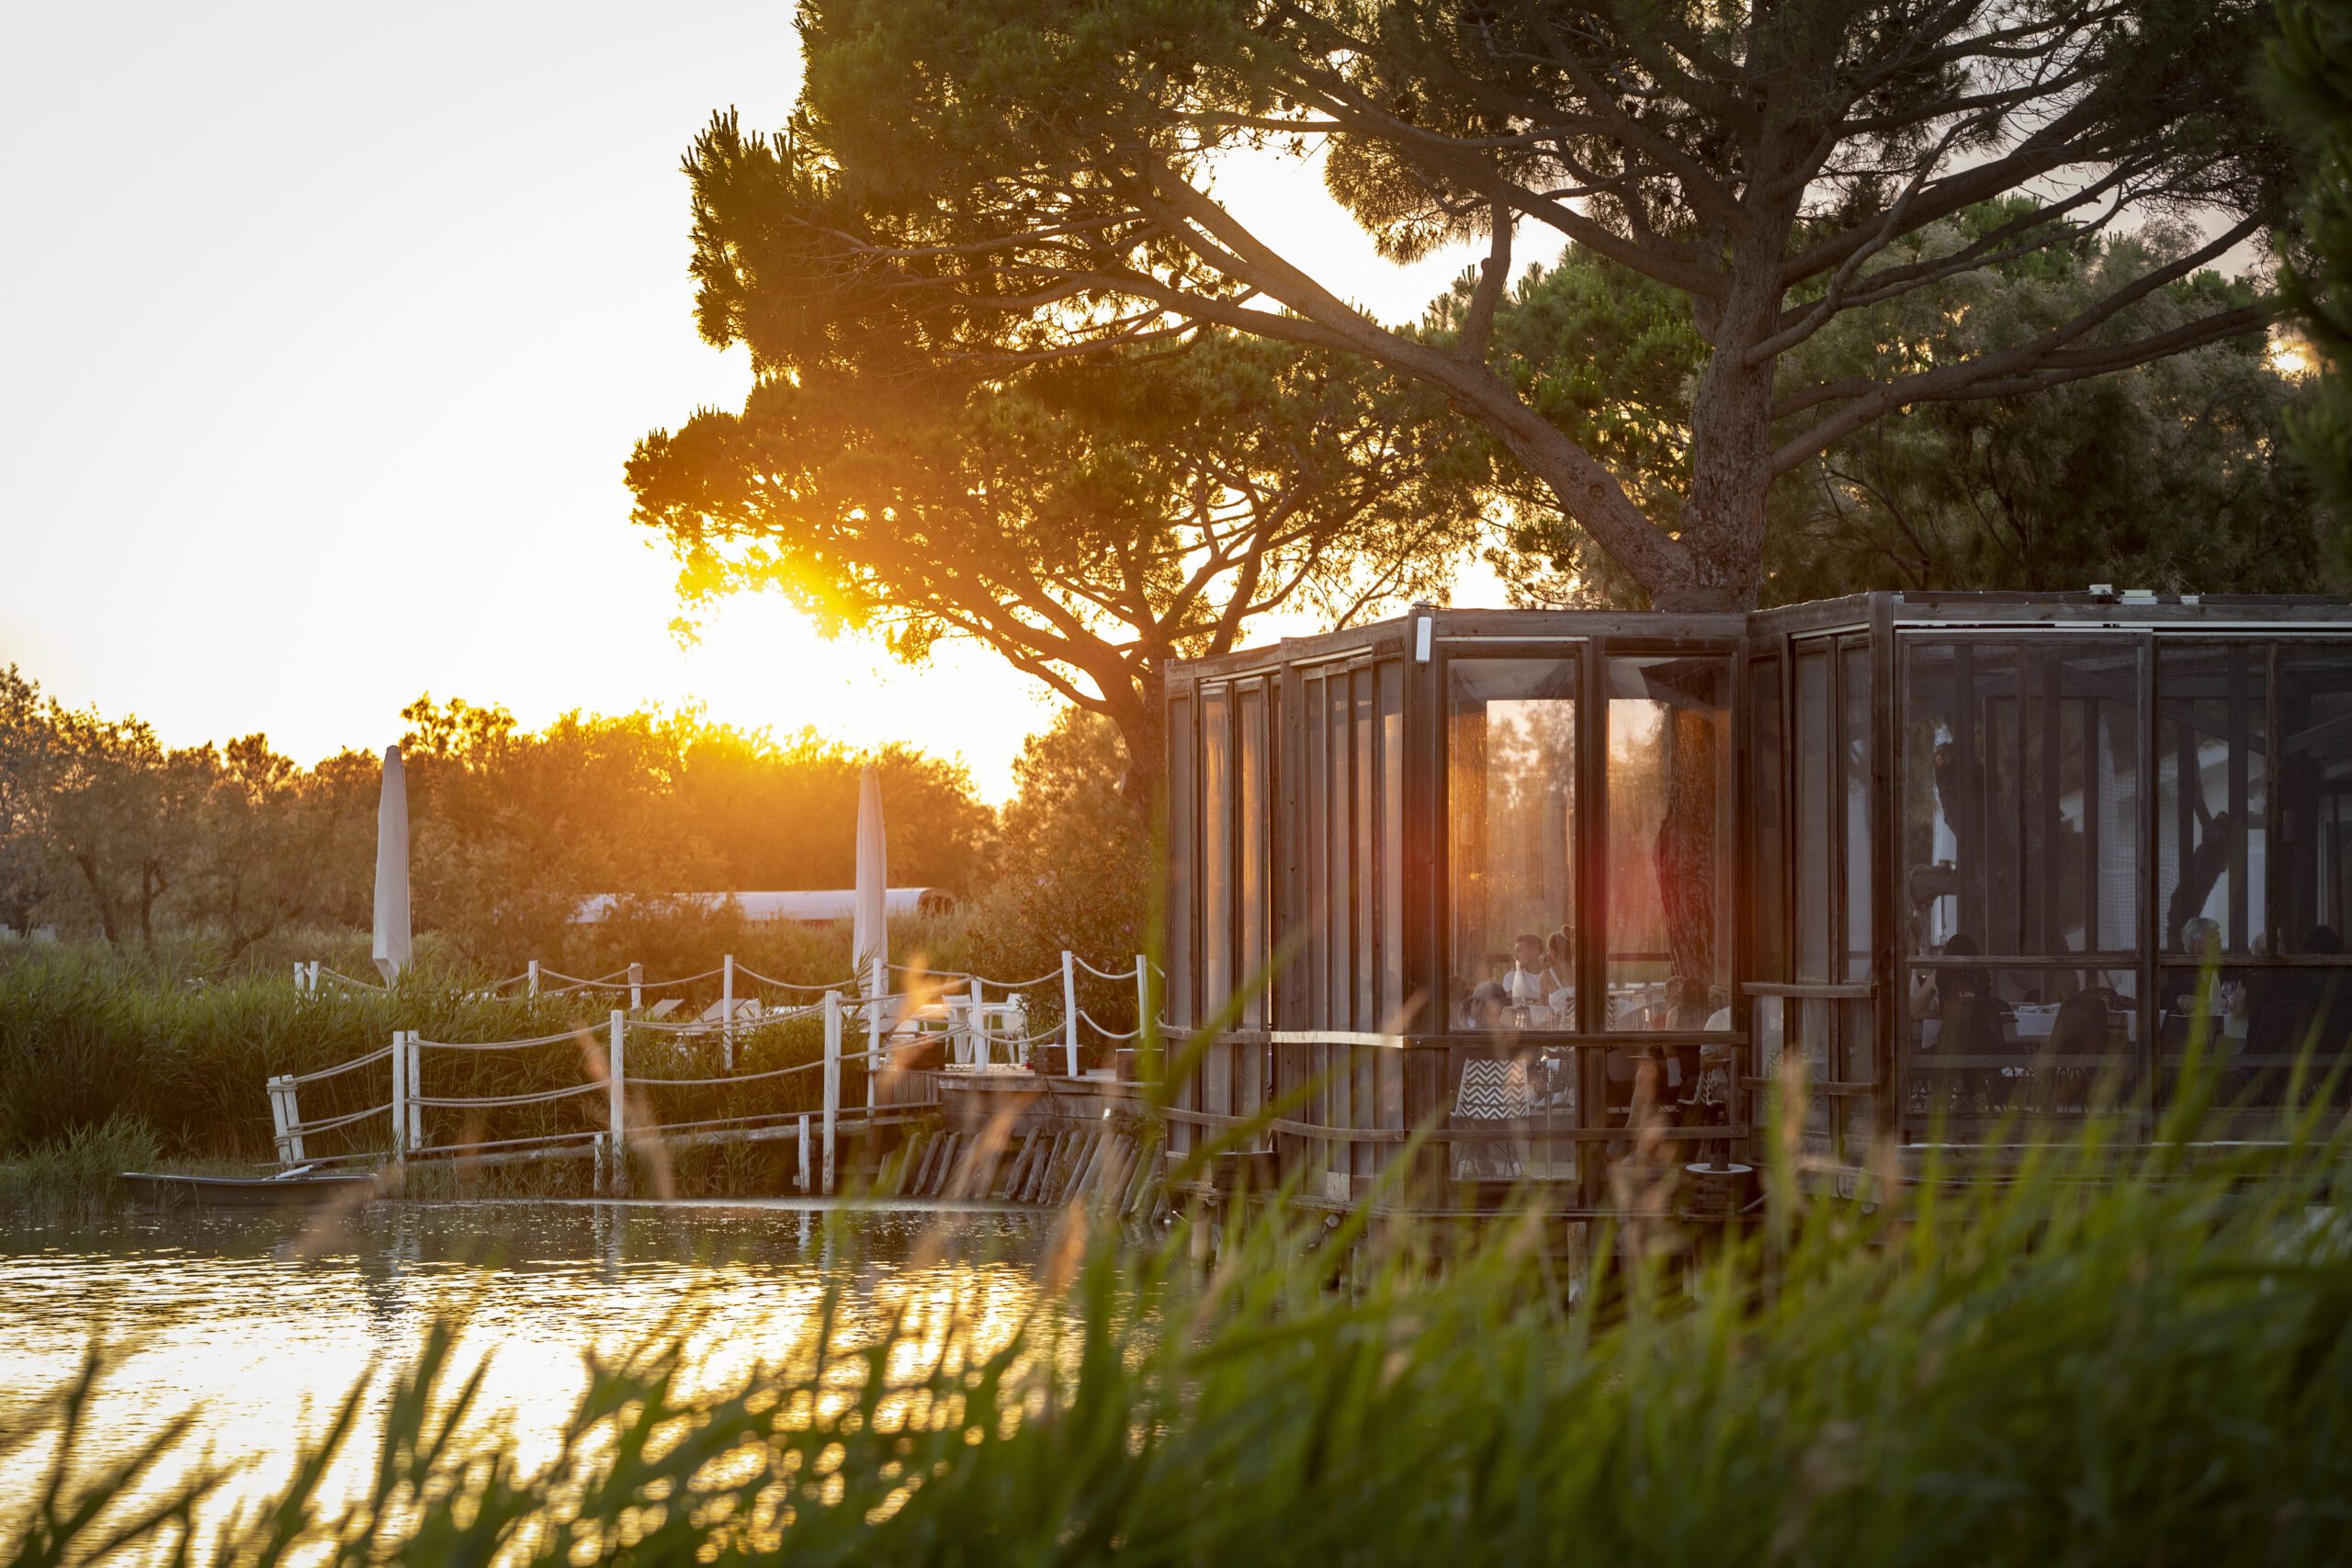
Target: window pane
x=2314 y=781
x=2212 y=795
x=1813 y=749
x=1392 y=846
x=1340 y=796
x=1314 y=807
x=1669 y=880
x=1367 y=824
x=1511 y=770
x=1181 y=807
x=1986 y=1043
x=1251 y=832
x=1216 y=854
x=1855 y=679
x=2081 y=794
x=1765 y=857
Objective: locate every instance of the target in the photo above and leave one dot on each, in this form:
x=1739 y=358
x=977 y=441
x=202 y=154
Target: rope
x=495 y=1101
x=355 y=984
x=740 y=1077
x=378 y=1055
x=1126 y=973
x=502 y=1045
x=745 y=969
x=743 y=1025
x=303 y=1128
x=1108 y=1034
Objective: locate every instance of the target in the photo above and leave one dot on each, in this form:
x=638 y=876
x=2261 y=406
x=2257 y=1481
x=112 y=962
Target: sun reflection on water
x=261 y=1327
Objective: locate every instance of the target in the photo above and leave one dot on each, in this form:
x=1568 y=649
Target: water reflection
x=262 y=1323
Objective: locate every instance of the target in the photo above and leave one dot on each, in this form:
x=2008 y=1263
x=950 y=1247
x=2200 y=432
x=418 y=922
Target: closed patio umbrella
x=870 y=922
x=393 y=950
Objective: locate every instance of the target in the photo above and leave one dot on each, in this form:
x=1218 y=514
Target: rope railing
x=729 y=1078
x=502 y=1044
x=332 y=1122
x=378 y=1055
x=747 y=971
x=499 y=1102
x=1126 y=973
x=1105 y=1030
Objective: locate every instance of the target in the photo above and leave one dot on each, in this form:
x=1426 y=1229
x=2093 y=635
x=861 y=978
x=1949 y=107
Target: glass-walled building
x=1540 y=877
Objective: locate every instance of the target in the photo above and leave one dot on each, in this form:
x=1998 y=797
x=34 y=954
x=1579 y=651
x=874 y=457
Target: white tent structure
x=394 y=950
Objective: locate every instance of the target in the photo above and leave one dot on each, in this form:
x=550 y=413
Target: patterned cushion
x=1493 y=1091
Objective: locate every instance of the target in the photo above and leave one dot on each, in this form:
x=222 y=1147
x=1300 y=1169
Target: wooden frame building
x=1967 y=856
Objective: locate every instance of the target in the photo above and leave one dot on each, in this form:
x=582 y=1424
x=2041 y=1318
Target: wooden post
x=298 y=977
x=637 y=988
x=314 y=986
x=726 y=1011
x=535 y=977
x=615 y=1081
x=832 y=1076
x=415 y=1088
x=876 y=988
x=399 y=1100
x=1069 y=1007
x=1143 y=996
x=278 y=1137
x=804 y=1151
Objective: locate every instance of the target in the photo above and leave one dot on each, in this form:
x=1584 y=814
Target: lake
x=263 y=1322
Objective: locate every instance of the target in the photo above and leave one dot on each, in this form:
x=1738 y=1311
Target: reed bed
x=2101 y=1356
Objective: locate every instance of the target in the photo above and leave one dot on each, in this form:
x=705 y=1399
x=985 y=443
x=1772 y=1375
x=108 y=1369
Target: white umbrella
x=870 y=924
x=394 y=952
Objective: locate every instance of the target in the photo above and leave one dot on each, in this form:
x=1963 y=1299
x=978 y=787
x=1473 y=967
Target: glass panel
x=2213 y=796
x=1668 y=882
x=1511 y=782
x=1340 y=793
x=1392 y=846
x=1314 y=823
x=1814 y=751
x=2254 y=1023
x=1987 y=1042
x=1181 y=805
x=1367 y=827
x=1857 y=1030
x=2314 y=797
x=1855 y=679
x=1216 y=854
x=2081 y=820
x=1766 y=892
x=1255 y=894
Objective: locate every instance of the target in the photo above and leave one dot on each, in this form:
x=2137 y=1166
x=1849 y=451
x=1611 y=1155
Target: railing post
x=279 y=1135
x=876 y=989
x=1143 y=997
x=415 y=1089
x=804 y=1151
x=726 y=1011
x=298 y=977
x=535 y=977
x=832 y=1077
x=1069 y=1007
x=615 y=1085
x=637 y=988
x=313 y=984
x=400 y=1101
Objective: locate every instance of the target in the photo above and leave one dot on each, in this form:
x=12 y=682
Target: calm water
x=262 y=1323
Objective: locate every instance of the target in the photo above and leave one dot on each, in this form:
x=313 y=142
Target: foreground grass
x=2086 y=1361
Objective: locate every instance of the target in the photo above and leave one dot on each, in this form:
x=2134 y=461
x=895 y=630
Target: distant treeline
x=107 y=832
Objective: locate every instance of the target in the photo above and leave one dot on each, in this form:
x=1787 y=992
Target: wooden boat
x=252 y=1192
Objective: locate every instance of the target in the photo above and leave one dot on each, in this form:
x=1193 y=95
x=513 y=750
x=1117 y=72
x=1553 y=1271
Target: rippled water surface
x=261 y=1323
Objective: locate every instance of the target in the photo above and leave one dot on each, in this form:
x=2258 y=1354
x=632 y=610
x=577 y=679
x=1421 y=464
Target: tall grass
x=2077 y=1362
x=89 y=1036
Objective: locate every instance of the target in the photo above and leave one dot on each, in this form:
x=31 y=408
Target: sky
x=325 y=331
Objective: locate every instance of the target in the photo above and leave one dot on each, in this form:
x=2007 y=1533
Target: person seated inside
x=2186 y=1008
x=1532 y=981
x=1487 y=1006
x=1962 y=1001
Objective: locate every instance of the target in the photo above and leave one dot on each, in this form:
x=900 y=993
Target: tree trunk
x=1141 y=714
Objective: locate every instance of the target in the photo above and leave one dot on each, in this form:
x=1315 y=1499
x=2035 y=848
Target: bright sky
x=328 y=330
